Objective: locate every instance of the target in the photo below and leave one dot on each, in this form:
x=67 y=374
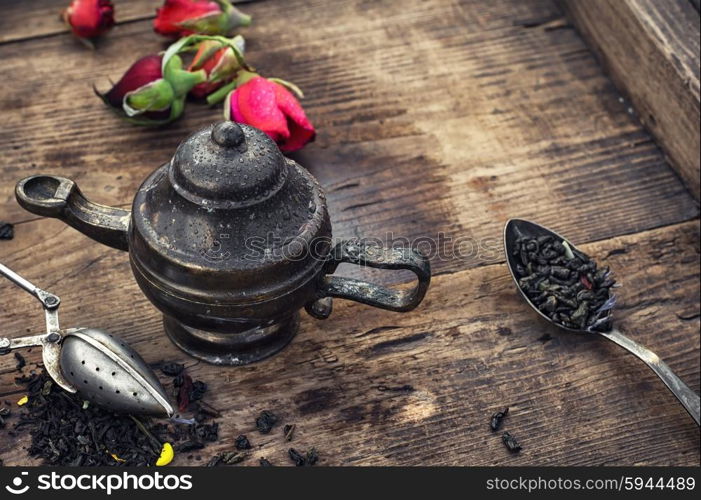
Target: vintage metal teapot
x=229 y=240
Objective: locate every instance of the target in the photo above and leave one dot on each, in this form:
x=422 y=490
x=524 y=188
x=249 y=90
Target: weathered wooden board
x=651 y=49
x=22 y=19
x=501 y=120
x=436 y=117
x=374 y=387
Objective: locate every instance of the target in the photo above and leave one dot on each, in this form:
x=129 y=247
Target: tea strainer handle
x=50 y=341
x=361 y=254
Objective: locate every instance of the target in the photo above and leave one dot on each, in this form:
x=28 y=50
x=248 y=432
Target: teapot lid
x=229 y=208
x=228 y=166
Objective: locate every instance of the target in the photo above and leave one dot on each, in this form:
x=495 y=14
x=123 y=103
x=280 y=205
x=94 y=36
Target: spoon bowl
x=516 y=228
x=519 y=228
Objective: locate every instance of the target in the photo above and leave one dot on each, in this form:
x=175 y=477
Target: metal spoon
x=522 y=228
x=99 y=366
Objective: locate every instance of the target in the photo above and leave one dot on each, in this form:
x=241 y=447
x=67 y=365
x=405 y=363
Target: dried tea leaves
x=187 y=391
x=495 y=423
x=227 y=458
x=563 y=283
x=172 y=369
x=510 y=442
x=497 y=419
x=310 y=458
x=7 y=231
x=265 y=421
x=4 y=413
x=21 y=363
x=296 y=457
x=242 y=443
x=66 y=432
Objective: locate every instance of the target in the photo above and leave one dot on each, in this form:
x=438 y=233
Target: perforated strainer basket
x=99 y=366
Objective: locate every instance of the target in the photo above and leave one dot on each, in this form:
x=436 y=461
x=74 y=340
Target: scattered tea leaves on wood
x=66 y=432
x=289 y=431
x=7 y=231
x=498 y=418
x=265 y=421
x=242 y=443
x=510 y=442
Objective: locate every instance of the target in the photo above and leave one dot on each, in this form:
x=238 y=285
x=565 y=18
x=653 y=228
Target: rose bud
x=267 y=105
x=207 y=17
x=219 y=62
x=89 y=18
x=148 y=94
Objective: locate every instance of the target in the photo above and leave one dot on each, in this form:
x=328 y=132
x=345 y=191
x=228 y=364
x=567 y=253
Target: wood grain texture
x=501 y=115
x=370 y=387
x=443 y=117
x=651 y=49
x=22 y=19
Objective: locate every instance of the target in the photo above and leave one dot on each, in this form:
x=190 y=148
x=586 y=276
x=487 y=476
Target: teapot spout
x=58 y=197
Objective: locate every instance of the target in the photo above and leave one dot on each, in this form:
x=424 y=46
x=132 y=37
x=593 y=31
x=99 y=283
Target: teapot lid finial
x=229 y=134
x=228 y=165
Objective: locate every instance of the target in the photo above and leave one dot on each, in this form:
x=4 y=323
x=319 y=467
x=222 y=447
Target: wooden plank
x=442 y=117
x=371 y=387
x=39 y=18
x=651 y=50
x=503 y=115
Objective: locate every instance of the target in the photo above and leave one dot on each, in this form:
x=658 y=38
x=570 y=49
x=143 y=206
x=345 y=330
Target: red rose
x=147 y=96
x=89 y=18
x=220 y=65
x=144 y=71
x=202 y=90
x=272 y=108
x=183 y=17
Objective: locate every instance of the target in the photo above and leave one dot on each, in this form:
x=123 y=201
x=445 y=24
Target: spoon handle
x=688 y=398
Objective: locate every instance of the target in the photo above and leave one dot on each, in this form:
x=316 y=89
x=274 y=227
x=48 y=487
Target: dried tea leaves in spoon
x=564 y=283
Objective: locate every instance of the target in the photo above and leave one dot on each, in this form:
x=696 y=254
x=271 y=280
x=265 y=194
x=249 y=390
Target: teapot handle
x=58 y=197
x=354 y=252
